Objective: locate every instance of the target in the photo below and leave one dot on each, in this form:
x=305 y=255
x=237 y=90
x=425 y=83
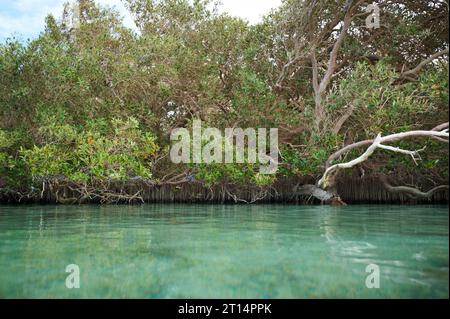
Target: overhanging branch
x=412 y=192
x=327 y=179
x=411 y=74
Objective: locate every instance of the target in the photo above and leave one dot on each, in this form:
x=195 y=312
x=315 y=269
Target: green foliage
x=97 y=102
x=379 y=105
x=122 y=152
x=241 y=174
x=5 y=140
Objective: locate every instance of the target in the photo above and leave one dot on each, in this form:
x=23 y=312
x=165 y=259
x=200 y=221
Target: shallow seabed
x=215 y=251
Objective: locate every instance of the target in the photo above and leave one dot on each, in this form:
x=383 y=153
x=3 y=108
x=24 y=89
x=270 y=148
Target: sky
x=25 y=19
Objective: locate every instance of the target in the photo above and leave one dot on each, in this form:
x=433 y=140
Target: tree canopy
x=91 y=100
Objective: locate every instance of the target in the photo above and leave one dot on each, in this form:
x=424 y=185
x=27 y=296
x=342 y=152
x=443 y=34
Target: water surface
x=202 y=251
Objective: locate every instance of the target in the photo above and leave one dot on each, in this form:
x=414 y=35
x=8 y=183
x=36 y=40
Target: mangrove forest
x=358 y=92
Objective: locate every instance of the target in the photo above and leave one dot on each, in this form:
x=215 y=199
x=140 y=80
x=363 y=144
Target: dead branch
x=353 y=146
x=412 y=192
x=327 y=180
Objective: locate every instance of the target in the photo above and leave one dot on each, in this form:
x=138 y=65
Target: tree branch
x=338 y=125
x=353 y=146
x=411 y=191
x=411 y=74
x=327 y=179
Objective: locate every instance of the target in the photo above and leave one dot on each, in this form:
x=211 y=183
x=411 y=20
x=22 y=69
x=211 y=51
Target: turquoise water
x=191 y=251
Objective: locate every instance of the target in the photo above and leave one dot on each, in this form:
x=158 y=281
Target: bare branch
x=286 y=67
x=338 y=125
x=324 y=181
x=348 y=18
x=415 y=155
x=312 y=190
x=353 y=146
x=320 y=88
x=327 y=179
x=414 y=72
x=411 y=191
x=441 y=127
x=334 y=54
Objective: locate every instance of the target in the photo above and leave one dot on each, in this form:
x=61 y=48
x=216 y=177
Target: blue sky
x=25 y=18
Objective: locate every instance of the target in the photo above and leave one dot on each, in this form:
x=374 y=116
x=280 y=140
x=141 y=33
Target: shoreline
x=352 y=190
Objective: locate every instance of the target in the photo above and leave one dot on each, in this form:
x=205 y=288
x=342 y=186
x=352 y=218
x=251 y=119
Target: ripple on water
x=224 y=251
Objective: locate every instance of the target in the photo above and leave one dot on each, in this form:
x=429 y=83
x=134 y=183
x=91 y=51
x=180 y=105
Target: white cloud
x=26 y=17
x=30 y=6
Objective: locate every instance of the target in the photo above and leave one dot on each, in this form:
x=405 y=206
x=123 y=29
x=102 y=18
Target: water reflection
x=204 y=251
